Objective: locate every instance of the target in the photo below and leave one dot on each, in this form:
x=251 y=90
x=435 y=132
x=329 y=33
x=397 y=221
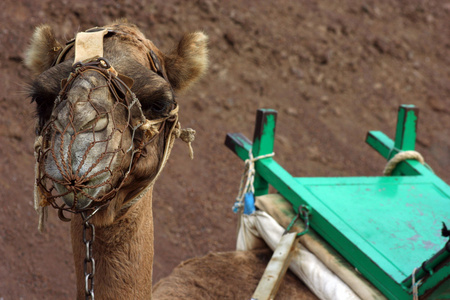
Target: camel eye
x=161 y=107
x=45 y=89
x=44 y=104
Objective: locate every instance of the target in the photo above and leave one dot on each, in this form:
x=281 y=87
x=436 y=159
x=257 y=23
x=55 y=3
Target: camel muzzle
x=91 y=135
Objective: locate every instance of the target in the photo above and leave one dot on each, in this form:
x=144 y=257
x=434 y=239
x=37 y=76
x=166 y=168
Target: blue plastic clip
x=249 y=203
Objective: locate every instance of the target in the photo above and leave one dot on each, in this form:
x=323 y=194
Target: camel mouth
x=80 y=195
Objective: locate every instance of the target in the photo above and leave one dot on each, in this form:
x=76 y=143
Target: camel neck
x=123 y=253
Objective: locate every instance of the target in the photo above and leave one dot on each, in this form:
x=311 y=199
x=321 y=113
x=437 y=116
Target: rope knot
x=248 y=178
x=150 y=129
x=187 y=135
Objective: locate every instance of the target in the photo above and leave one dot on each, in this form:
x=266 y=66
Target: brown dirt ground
x=332 y=69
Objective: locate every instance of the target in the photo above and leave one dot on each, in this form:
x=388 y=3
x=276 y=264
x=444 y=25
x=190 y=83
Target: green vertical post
x=263 y=140
x=405 y=135
x=405 y=140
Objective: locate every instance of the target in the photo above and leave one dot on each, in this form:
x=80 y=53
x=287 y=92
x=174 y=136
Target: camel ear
x=42 y=50
x=188 y=61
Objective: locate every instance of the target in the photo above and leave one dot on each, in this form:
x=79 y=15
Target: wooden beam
x=276 y=268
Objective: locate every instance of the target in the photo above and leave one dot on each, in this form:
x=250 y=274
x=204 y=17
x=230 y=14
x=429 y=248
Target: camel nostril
x=101 y=123
x=76 y=184
x=97 y=124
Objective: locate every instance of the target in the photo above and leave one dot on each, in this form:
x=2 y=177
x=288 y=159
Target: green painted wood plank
x=440 y=276
x=384 y=145
x=298 y=195
x=442 y=292
x=381 y=143
x=263 y=141
x=405 y=136
x=297 y=192
x=390 y=216
x=354 y=214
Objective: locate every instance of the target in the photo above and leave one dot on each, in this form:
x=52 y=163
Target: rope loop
x=399 y=157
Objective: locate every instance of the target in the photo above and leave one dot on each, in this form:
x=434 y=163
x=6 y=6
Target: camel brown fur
x=225 y=275
x=123 y=247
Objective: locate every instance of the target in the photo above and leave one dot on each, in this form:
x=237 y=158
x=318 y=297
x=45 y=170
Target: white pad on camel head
x=89 y=45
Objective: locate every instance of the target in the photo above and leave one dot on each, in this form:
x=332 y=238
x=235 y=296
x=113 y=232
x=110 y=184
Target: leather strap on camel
x=92 y=39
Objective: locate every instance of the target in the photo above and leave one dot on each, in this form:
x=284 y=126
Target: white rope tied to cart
x=415 y=285
x=247 y=179
x=399 y=157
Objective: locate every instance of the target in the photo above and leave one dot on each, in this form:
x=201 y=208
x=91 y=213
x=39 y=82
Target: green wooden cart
x=386 y=227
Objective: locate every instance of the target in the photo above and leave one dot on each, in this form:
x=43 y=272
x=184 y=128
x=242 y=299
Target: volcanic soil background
x=332 y=69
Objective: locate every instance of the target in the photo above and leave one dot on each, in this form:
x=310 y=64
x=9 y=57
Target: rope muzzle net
x=112 y=142
x=59 y=142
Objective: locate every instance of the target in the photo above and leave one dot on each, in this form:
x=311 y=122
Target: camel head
x=106 y=123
